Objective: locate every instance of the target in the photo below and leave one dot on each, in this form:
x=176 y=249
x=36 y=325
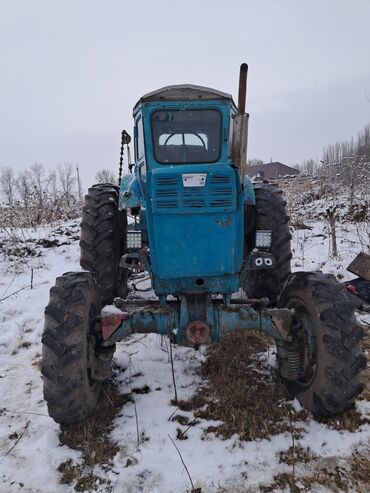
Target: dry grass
x=360 y=469
x=91 y=438
x=25 y=344
x=36 y=361
x=349 y=420
x=241 y=391
x=335 y=474
x=248 y=398
x=296 y=454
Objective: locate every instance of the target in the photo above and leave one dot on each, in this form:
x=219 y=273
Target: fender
x=130 y=194
x=248 y=191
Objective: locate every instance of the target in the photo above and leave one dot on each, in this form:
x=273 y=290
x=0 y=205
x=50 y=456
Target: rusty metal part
x=282 y=319
x=290 y=360
x=198 y=333
x=111 y=322
x=260 y=302
x=242 y=87
x=198 y=324
x=360 y=266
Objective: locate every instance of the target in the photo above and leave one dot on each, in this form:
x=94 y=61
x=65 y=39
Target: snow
x=111 y=310
x=153 y=465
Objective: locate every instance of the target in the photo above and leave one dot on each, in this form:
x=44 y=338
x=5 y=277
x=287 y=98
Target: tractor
x=216 y=247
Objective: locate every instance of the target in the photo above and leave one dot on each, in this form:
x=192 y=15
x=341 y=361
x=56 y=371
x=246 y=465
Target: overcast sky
x=72 y=70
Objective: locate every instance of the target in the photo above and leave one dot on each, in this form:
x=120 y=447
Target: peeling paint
x=224 y=223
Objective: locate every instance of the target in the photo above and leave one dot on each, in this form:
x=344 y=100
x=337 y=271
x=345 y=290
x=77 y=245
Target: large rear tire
x=103 y=228
x=69 y=347
x=270 y=214
x=327 y=339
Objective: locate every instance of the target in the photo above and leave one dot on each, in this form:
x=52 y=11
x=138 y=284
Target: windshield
x=186 y=136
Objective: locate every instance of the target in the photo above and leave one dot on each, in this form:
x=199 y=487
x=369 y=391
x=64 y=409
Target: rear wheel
x=325 y=354
x=270 y=214
x=69 y=352
x=103 y=229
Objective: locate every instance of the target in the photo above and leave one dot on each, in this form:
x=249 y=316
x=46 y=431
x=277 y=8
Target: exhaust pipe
x=242 y=88
x=240 y=125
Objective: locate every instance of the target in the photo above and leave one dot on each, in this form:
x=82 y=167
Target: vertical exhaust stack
x=242 y=88
x=240 y=126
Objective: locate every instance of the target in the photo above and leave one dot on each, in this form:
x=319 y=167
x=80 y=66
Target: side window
x=140 y=150
x=140 y=140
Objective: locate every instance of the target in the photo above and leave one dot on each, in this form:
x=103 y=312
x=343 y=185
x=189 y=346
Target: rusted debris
x=360 y=266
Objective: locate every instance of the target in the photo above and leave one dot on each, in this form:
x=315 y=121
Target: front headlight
x=263 y=239
x=133 y=240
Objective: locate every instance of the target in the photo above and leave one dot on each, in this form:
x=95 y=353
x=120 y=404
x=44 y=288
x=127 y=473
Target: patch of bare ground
x=91 y=438
x=242 y=391
x=36 y=361
x=246 y=395
x=349 y=420
x=335 y=474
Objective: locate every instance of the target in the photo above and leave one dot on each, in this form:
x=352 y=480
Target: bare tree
x=24 y=188
x=330 y=214
x=7 y=183
x=79 y=187
x=53 y=186
x=67 y=180
x=38 y=181
x=105 y=176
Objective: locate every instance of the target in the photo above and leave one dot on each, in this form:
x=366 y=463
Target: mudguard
x=130 y=193
x=248 y=191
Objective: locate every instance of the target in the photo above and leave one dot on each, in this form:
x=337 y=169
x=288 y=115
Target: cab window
x=186 y=136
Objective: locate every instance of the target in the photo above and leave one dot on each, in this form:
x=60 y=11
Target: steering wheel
x=183 y=139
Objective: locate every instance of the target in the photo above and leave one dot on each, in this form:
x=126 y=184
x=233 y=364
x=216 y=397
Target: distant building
x=271 y=171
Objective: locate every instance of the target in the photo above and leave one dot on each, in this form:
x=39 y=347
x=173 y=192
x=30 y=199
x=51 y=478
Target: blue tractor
x=203 y=232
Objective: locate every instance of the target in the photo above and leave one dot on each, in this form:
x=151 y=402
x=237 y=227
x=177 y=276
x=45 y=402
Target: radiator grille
x=218 y=193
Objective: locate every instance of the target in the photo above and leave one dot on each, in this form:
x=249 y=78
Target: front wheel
x=322 y=365
x=69 y=353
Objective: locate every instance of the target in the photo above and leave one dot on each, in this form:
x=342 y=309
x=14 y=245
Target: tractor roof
x=184 y=92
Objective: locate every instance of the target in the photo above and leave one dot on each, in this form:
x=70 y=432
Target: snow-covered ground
x=146 y=460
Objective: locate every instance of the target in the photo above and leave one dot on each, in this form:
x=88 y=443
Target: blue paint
x=248 y=191
x=130 y=193
x=193 y=232
x=212 y=284
x=175 y=317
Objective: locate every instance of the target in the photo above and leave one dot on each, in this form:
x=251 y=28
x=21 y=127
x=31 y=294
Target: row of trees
x=347 y=153
x=37 y=195
x=340 y=151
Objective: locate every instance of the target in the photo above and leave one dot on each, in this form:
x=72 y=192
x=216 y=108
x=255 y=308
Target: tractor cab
x=188 y=189
x=179 y=125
